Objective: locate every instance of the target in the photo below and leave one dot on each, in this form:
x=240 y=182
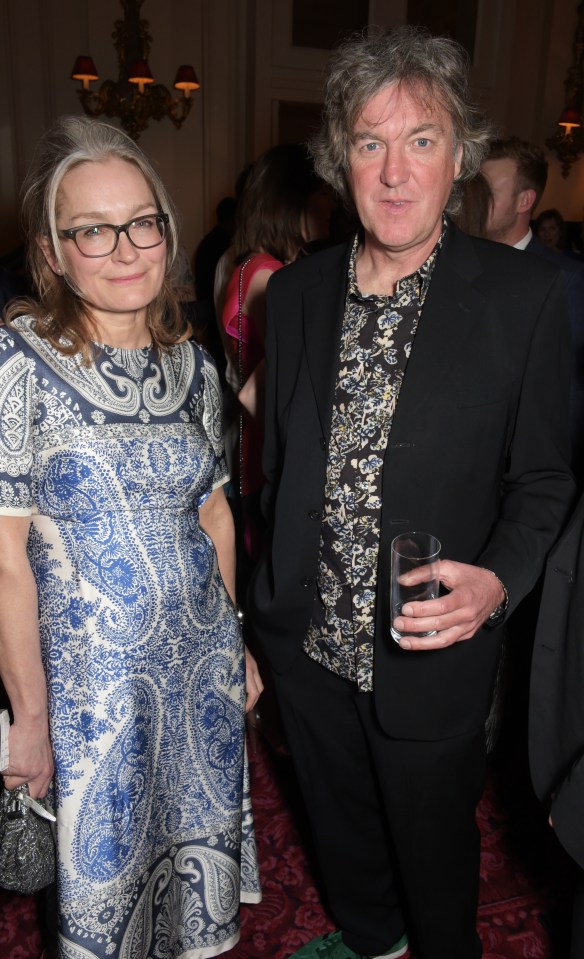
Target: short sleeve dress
x=140 y=642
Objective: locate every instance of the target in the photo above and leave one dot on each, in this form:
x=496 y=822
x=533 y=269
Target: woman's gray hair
x=61 y=313
x=432 y=69
x=71 y=141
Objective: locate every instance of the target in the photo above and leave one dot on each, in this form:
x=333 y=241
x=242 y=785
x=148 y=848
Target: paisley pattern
x=141 y=645
x=376 y=340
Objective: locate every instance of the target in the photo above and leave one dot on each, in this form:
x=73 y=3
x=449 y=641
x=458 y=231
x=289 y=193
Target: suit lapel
x=451 y=309
x=448 y=319
x=323 y=308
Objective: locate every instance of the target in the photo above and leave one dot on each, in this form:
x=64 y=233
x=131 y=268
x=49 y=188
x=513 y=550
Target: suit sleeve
x=537 y=486
x=566 y=812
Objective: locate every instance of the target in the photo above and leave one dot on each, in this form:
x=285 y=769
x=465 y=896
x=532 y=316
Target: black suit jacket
x=477 y=455
x=574 y=273
x=556 y=709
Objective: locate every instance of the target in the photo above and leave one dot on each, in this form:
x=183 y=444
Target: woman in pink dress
x=274 y=225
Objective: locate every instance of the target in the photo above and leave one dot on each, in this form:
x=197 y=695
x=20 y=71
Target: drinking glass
x=411 y=551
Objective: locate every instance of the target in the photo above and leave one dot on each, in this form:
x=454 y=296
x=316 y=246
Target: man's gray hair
x=432 y=69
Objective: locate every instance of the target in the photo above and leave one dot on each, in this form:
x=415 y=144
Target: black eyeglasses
x=101 y=239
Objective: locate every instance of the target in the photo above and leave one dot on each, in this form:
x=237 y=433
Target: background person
x=517 y=174
x=120 y=648
x=556 y=704
x=272 y=230
x=416 y=380
x=206 y=257
x=475 y=196
x=283 y=211
x=550 y=229
x=212 y=247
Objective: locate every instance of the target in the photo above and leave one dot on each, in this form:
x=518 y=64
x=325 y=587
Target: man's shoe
x=332 y=946
x=398 y=949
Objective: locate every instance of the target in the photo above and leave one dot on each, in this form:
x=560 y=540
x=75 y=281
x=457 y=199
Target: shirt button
x=306 y=582
x=314 y=514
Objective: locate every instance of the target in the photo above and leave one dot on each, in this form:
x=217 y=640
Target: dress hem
x=209 y=951
x=250 y=897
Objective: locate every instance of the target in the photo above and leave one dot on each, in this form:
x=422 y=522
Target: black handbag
x=27 y=842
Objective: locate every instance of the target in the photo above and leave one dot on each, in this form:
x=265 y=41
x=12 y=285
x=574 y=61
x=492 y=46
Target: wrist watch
x=498 y=614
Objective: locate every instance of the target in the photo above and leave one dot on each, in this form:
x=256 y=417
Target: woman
x=120 y=647
x=550 y=229
x=275 y=222
x=476 y=200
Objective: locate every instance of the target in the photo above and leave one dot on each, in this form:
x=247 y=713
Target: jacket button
x=314 y=514
x=306 y=582
x=322 y=443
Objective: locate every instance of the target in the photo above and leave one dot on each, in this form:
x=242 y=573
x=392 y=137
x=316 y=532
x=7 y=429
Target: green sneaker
x=332 y=946
x=399 y=948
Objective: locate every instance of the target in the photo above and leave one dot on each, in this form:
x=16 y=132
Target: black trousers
x=393 y=821
x=577 y=940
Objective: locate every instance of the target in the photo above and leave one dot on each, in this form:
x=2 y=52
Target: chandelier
x=568 y=142
x=134 y=97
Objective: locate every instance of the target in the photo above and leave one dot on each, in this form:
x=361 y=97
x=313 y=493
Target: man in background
x=517 y=174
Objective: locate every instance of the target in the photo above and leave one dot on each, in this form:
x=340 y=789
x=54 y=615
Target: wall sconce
x=568 y=141
x=135 y=98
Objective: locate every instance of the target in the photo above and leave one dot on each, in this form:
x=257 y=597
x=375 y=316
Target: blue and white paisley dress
x=140 y=643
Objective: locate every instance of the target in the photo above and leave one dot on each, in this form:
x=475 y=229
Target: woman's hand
x=252 y=394
x=29 y=748
x=30 y=760
x=253 y=681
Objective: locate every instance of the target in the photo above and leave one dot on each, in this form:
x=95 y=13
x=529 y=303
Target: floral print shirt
x=376 y=339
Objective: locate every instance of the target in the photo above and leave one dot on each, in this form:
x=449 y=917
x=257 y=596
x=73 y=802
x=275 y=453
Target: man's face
x=502 y=223
x=402 y=163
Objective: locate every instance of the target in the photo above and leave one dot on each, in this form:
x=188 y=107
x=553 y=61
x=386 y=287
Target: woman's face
x=117 y=287
x=549 y=233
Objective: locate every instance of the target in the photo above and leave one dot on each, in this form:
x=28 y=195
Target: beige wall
x=565 y=194
x=198 y=163
x=247 y=66
x=541 y=56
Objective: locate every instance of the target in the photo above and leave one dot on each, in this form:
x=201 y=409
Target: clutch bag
x=27 y=843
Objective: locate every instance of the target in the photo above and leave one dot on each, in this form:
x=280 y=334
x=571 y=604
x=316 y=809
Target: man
x=517 y=174
x=556 y=707
x=414 y=382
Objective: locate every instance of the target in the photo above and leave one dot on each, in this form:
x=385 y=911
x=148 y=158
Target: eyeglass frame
x=71 y=234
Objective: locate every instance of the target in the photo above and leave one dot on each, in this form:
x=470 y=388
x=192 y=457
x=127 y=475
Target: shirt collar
x=416 y=283
x=523 y=244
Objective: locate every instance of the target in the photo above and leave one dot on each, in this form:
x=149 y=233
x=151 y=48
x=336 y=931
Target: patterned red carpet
x=525 y=878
